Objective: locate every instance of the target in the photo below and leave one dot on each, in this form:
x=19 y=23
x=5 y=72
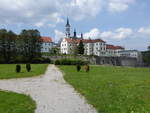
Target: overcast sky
x=119 y=22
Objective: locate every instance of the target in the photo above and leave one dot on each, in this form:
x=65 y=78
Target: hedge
x=70 y=62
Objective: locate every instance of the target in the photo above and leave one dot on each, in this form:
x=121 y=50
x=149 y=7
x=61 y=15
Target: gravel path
x=51 y=93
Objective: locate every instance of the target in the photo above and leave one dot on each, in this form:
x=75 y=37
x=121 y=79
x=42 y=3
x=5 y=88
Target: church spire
x=68 y=29
x=68 y=24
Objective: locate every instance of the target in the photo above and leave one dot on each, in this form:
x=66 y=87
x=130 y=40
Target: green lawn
x=16 y=103
x=8 y=71
x=112 y=89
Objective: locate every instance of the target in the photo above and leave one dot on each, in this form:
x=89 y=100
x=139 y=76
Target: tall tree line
x=19 y=48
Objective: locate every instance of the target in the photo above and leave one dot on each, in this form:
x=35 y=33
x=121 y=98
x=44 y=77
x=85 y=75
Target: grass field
x=8 y=71
x=16 y=103
x=112 y=89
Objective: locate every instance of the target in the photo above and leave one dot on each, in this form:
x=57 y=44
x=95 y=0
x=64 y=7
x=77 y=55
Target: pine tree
x=81 y=48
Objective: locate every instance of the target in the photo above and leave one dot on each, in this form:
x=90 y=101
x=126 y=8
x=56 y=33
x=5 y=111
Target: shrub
x=71 y=62
x=18 y=68
x=86 y=68
x=57 y=62
x=47 y=60
x=78 y=67
x=65 y=62
x=28 y=67
x=41 y=60
x=37 y=60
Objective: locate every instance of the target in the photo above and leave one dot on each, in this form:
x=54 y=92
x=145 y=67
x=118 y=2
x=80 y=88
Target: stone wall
x=95 y=60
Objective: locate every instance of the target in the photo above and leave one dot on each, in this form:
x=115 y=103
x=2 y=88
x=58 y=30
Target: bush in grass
x=18 y=68
x=28 y=67
x=87 y=68
x=78 y=67
x=57 y=62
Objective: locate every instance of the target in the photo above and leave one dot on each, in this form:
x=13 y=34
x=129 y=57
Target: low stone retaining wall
x=95 y=60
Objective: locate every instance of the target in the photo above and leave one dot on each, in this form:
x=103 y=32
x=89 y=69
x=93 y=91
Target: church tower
x=75 y=34
x=68 y=29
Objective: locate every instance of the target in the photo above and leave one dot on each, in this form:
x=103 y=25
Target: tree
x=147 y=57
x=31 y=44
x=81 y=48
x=55 y=51
x=11 y=45
x=7 y=45
x=148 y=48
x=3 y=35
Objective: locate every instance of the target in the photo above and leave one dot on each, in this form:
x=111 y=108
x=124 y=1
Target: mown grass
x=8 y=71
x=16 y=103
x=112 y=89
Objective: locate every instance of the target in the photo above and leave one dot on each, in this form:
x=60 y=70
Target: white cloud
x=118 y=34
x=119 y=5
x=80 y=9
x=122 y=33
x=39 y=24
x=93 y=34
x=58 y=35
x=144 y=31
x=53 y=11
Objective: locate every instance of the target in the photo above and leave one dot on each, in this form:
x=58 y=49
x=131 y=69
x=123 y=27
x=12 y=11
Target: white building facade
x=99 y=47
x=47 y=44
x=130 y=53
x=67 y=46
x=91 y=47
x=114 y=51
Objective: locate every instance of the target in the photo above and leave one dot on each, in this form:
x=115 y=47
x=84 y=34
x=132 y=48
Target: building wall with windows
x=99 y=48
x=130 y=53
x=91 y=47
x=112 y=50
x=88 y=48
x=47 y=44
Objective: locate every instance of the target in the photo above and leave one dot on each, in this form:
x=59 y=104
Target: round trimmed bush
x=57 y=62
x=87 y=68
x=18 y=68
x=78 y=67
x=28 y=67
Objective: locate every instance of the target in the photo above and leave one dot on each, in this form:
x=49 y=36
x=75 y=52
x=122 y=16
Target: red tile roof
x=46 y=39
x=113 y=47
x=119 y=47
x=71 y=40
x=98 y=40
